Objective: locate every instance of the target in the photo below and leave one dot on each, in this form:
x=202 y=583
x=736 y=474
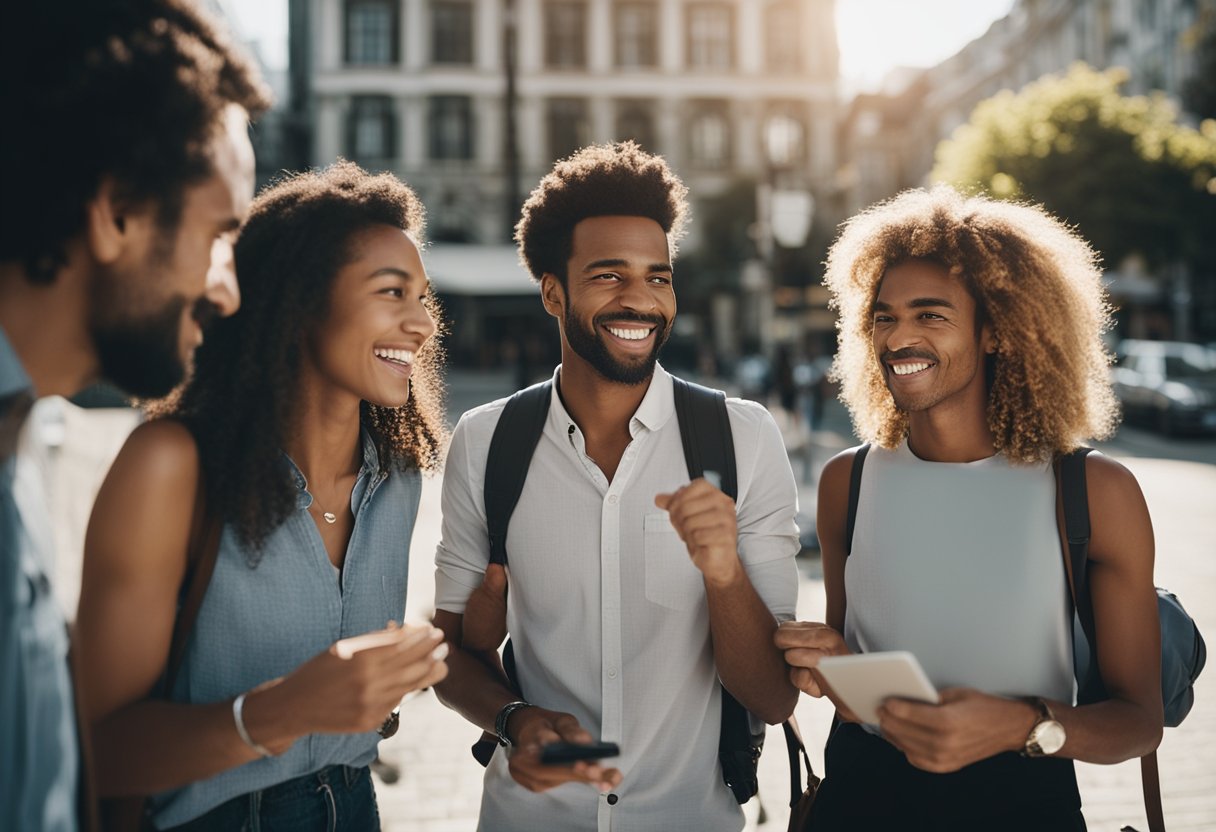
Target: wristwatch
x=1046 y=735
x=500 y=721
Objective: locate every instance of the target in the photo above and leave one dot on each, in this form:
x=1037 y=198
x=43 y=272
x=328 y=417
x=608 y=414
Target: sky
x=911 y=33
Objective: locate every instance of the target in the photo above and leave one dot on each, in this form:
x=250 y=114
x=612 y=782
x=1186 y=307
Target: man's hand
x=533 y=728
x=966 y=727
x=705 y=519
x=805 y=643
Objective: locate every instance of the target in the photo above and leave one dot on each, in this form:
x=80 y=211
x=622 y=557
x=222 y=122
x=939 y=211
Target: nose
x=636 y=295
x=900 y=335
x=222 y=288
x=418 y=320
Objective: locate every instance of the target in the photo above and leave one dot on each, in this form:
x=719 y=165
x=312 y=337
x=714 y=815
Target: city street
x=440 y=784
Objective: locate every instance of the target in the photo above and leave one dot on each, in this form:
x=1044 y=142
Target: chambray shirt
x=259 y=623
x=607 y=613
x=38 y=744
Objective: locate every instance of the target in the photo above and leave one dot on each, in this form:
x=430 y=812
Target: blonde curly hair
x=1035 y=281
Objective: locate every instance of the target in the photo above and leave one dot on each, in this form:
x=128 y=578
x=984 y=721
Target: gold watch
x=1046 y=735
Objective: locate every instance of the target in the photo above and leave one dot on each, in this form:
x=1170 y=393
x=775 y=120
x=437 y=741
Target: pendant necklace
x=328 y=516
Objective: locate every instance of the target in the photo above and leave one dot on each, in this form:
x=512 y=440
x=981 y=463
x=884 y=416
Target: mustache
x=204 y=312
x=906 y=353
x=631 y=317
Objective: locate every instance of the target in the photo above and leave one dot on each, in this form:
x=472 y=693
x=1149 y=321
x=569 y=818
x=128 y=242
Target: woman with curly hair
x=303 y=430
x=971 y=359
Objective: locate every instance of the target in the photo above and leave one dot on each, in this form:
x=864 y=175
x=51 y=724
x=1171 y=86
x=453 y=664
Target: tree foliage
x=1121 y=168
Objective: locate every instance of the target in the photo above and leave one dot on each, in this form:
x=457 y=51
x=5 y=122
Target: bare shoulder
x=161 y=449
x=834 y=480
x=1119 y=516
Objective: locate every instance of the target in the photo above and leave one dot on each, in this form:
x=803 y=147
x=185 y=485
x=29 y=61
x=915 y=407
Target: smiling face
x=927 y=338
x=617 y=305
x=377 y=319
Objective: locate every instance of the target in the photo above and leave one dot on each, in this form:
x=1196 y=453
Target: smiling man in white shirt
x=633 y=592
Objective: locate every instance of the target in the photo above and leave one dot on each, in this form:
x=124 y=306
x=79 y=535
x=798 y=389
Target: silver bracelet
x=238 y=705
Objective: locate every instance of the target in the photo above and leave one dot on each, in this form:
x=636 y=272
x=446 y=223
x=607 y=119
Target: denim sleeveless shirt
x=261 y=622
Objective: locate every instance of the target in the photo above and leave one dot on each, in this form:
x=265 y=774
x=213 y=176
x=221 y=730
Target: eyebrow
x=617 y=262
x=916 y=303
x=390 y=270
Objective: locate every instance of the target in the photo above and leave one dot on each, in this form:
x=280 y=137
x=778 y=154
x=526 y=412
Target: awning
x=458 y=269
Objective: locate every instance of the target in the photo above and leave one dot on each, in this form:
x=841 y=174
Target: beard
x=589 y=345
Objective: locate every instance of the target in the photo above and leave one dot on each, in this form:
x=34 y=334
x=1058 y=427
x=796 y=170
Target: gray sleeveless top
x=259 y=623
x=961 y=564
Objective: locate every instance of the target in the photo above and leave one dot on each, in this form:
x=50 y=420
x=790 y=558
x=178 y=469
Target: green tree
x=1120 y=168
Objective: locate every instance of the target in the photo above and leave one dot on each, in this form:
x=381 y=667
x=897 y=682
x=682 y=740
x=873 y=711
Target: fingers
x=495 y=581
x=527 y=770
x=811 y=635
x=805 y=681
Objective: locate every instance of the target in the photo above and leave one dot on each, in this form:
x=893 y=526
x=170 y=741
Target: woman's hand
x=805 y=643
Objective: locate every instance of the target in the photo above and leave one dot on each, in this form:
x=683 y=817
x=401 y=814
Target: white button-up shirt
x=607 y=613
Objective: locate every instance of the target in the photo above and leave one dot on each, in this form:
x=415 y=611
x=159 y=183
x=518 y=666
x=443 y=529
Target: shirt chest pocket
x=671 y=579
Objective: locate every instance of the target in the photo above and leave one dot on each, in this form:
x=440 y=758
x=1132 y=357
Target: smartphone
x=558 y=753
x=864 y=680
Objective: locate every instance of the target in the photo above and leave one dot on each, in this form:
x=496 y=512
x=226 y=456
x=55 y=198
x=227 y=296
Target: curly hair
x=127 y=89
x=241 y=399
x=597 y=181
x=1035 y=281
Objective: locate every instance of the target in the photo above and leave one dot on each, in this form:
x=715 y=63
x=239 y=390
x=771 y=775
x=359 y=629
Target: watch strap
x=504 y=714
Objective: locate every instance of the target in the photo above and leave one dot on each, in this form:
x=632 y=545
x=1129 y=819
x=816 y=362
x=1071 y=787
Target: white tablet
x=864 y=680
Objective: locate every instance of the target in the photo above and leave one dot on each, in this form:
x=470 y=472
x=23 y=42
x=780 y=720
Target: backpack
x=708 y=446
x=1183 y=651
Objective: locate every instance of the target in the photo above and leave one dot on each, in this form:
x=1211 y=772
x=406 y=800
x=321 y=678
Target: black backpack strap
x=705 y=433
x=859 y=461
x=1077 y=530
x=515 y=439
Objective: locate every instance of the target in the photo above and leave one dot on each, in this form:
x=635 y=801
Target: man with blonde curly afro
x=635 y=596
x=971 y=359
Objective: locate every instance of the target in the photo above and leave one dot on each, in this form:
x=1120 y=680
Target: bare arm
x=135 y=557
x=741 y=626
x=806 y=642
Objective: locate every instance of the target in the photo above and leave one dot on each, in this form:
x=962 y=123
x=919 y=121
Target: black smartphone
x=557 y=753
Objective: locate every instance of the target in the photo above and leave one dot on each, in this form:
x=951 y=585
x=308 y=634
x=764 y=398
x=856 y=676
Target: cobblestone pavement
x=440 y=784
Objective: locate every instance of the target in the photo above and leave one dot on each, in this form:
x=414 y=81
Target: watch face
x=1048 y=735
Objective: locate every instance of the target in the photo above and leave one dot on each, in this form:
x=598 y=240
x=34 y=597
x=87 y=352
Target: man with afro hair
x=127 y=169
x=972 y=360
x=633 y=591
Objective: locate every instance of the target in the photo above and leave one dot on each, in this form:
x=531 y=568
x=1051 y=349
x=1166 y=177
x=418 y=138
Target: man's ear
x=111 y=224
x=553 y=295
x=988 y=340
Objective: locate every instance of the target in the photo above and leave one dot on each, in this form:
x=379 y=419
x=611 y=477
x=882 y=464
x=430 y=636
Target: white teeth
x=396 y=356
x=630 y=334
x=908 y=369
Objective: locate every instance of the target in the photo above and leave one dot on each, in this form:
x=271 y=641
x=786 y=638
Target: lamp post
x=784 y=210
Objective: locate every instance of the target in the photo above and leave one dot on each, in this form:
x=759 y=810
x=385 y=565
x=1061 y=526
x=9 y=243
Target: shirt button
x=612 y=799
x=612 y=673
x=613 y=500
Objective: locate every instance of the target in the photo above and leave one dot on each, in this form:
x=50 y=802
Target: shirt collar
x=371 y=461
x=655 y=409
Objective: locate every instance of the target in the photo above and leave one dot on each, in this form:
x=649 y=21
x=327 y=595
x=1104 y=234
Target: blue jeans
x=333 y=799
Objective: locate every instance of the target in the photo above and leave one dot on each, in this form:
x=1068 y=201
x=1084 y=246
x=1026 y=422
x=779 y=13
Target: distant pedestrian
x=307 y=421
x=635 y=594
x=971 y=358
x=127 y=169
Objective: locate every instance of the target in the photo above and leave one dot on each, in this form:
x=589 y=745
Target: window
x=634 y=120
x=709 y=136
x=710 y=27
x=451 y=126
x=568 y=126
x=784 y=136
x=371 y=32
x=565 y=35
x=371 y=130
x=452 y=32
x=782 y=44
x=636 y=39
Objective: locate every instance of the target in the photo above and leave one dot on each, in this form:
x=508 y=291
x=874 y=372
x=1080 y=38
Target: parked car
x=1168 y=385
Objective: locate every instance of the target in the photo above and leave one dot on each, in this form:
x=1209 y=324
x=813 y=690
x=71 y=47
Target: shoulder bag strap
x=1077 y=529
x=859 y=461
